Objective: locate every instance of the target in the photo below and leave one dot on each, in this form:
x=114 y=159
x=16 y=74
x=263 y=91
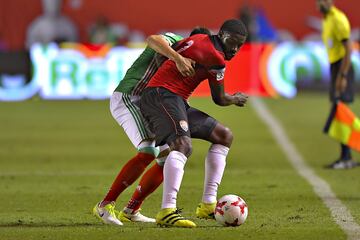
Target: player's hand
x=240 y=99
x=185 y=66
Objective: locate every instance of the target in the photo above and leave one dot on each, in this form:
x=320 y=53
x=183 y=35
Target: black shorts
x=169 y=116
x=348 y=95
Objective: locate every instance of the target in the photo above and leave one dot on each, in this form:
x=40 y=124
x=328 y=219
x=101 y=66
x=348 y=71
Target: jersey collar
x=217 y=43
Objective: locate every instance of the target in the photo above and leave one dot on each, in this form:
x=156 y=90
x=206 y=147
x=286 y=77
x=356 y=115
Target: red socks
x=129 y=173
x=148 y=183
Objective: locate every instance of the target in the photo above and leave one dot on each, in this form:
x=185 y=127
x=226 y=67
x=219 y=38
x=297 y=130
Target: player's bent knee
x=228 y=137
x=183 y=145
x=225 y=136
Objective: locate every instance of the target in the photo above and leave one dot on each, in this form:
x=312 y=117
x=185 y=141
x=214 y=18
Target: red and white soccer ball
x=231 y=210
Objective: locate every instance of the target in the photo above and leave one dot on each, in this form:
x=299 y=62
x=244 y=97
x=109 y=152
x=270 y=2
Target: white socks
x=173 y=174
x=174 y=171
x=214 y=168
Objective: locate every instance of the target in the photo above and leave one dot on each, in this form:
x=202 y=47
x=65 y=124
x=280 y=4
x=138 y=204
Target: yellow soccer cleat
x=171 y=217
x=107 y=214
x=206 y=210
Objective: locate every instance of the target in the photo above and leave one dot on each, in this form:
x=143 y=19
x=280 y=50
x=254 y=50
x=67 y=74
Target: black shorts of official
x=169 y=116
x=348 y=95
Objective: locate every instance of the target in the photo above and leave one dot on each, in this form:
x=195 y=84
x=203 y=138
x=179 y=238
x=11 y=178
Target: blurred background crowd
x=24 y=22
x=127 y=23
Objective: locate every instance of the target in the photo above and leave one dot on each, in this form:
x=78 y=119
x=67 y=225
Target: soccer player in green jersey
x=125 y=110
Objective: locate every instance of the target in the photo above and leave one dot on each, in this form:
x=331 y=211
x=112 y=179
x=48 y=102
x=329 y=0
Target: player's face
x=232 y=43
x=324 y=5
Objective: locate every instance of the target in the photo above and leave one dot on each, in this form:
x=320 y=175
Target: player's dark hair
x=234 y=26
x=200 y=30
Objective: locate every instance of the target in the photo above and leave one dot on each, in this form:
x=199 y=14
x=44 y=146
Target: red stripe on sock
x=148 y=184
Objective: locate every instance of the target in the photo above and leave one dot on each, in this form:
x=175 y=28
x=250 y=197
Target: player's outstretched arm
x=218 y=94
x=160 y=45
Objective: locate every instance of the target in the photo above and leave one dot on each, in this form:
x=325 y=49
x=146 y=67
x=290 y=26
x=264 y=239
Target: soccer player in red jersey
x=124 y=108
x=164 y=105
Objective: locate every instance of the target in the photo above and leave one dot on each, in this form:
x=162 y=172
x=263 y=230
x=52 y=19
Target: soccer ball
x=231 y=210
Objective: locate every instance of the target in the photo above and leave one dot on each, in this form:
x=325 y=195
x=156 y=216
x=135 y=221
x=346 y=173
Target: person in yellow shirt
x=336 y=37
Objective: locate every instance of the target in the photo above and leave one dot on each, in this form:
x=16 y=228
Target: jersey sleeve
x=216 y=68
x=342 y=28
x=172 y=38
x=216 y=74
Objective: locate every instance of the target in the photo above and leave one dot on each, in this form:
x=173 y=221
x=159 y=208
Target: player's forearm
x=224 y=100
x=160 y=45
x=219 y=96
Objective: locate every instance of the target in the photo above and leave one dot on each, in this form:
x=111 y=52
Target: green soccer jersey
x=144 y=67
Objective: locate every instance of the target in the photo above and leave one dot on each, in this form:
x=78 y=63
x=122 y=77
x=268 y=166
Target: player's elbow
x=151 y=39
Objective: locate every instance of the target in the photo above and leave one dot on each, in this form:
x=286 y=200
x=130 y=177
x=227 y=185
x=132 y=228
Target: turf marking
x=338 y=210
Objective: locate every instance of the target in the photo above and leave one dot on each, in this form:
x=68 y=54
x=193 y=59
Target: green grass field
x=58 y=158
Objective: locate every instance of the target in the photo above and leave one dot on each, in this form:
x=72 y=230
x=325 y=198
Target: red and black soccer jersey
x=206 y=51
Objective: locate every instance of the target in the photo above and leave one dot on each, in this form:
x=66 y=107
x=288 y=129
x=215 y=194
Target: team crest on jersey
x=220 y=76
x=219 y=73
x=184 y=125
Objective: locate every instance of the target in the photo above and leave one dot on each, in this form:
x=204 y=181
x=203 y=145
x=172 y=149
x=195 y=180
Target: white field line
x=338 y=210
x=52 y=173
